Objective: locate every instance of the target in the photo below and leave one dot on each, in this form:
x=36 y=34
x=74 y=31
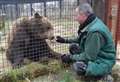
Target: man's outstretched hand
x=60 y=39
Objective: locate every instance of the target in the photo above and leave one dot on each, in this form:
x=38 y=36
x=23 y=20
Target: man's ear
x=36 y=15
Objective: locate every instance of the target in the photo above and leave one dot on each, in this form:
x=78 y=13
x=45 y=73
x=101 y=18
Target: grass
x=116 y=73
x=31 y=71
x=51 y=72
x=68 y=77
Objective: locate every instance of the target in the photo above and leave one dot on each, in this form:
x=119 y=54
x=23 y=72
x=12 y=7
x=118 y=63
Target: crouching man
x=93 y=52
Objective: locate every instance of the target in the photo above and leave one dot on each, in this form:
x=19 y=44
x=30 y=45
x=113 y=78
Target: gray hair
x=86 y=8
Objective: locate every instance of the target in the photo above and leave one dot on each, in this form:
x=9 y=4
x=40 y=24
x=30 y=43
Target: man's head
x=82 y=12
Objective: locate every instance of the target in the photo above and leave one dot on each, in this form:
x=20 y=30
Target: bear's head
x=37 y=26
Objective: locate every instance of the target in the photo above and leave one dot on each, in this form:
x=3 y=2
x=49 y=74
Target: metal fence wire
x=27 y=45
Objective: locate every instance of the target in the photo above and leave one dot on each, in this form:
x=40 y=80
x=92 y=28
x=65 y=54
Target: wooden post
x=118 y=24
x=114 y=10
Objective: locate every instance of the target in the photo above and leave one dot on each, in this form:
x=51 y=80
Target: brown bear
x=28 y=40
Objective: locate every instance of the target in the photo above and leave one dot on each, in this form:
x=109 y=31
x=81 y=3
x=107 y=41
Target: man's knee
x=74 y=48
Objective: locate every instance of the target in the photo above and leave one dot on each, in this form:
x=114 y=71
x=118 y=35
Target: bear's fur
x=27 y=39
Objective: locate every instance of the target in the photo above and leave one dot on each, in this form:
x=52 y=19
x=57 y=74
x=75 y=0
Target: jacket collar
x=84 y=26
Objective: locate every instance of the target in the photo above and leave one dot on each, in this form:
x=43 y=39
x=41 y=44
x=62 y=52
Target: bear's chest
x=36 y=49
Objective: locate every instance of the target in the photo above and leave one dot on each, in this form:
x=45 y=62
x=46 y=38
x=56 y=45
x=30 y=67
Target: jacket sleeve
x=93 y=43
x=71 y=40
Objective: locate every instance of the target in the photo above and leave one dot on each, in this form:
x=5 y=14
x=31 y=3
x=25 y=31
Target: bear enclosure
x=61 y=16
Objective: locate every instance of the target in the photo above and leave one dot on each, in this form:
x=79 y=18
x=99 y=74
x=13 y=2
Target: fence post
x=31 y=9
x=118 y=24
x=16 y=9
x=45 y=8
x=60 y=2
x=78 y=2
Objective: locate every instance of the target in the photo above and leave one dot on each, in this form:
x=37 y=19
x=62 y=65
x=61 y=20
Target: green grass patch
x=31 y=71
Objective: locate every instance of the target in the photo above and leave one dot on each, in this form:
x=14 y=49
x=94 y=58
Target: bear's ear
x=36 y=15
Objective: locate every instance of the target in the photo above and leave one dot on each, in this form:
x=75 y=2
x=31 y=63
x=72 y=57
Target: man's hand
x=60 y=39
x=66 y=59
x=80 y=67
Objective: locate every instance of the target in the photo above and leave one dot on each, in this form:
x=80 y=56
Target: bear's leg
x=16 y=61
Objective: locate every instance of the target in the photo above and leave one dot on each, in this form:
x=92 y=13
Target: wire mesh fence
x=15 y=13
x=22 y=41
x=26 y=35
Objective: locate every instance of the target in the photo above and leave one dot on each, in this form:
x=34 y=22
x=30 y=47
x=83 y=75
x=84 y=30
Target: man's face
x=79 y=16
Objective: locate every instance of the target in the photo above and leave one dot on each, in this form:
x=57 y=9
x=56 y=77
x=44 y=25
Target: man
x=93 y=51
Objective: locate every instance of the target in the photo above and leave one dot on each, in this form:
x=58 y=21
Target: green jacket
x=97 y=48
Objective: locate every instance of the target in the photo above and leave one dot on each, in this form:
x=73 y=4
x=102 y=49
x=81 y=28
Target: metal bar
x=60 y=8
x=31 y=9
x=16 y=8
x=45 y=9
x=78 y=2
